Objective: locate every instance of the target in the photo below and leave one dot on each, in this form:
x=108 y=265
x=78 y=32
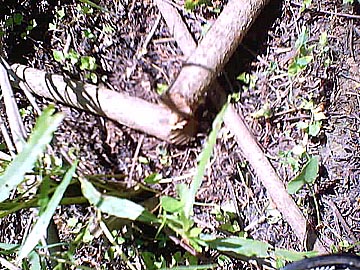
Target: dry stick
x=12 y=111
x=337 y=14
x=176 y=25
x=248 y=143
x=133 y=112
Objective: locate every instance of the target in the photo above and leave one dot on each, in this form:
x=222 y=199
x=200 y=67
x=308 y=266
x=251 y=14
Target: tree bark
x=153 y=119
x=210 y=57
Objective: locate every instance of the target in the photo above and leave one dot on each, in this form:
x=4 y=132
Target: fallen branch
x=211 y=55
x=153 y=119
x=247 y=143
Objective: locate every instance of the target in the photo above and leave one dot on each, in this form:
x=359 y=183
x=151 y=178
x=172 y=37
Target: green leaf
x=302 y=125
x=60 y=13
x=304 y=60
x=88 y=34
x=92 y=4
x=18 y=18
x=9 y=22
x=307 y=175
x=323 y=39
x=59 y=56
x=306 y=4
x=303 y=38
x=191 y=4
x=244 y=78
x=41 y=136
x=73 y=56
x=314 y=128
x=195 y=232
x=44 y=194
x=265 y=112
x=88 y=63
x=34 y=260
x=294 y=69
x=52 y=26
x=93 y=77
x=161 y=88
x=119 y=207
x=39 y=229
x=291 y=256
x=153 y=178
x=240 y=245
x=6 y=246
x=170 y=204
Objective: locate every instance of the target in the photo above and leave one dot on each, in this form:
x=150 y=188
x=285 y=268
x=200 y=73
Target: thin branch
x=12 y=111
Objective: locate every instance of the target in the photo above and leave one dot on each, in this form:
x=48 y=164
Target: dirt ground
x=331 y=81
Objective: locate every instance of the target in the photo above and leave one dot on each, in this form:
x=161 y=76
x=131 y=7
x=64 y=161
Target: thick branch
x=153 y=119
x=212 y=54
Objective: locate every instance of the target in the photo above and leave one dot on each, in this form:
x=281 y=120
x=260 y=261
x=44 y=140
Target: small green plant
x=70 y=57
x=306 y=4
x=192 y=4
x=307 y=175
x=15 y=175
x=17 y=19
x=303 y=54
x=91 y=4
x=84 y=9
x=161 y=88
x=176 y=214
x=88 y=34
x=226 y=216
x=312 y=126
x=59 y=15
x=291 y=158
x=86 y=63
x=324 y=49
x=248 y=80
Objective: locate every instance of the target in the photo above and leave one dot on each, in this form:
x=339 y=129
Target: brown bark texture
x=212 y=54
x=133 y=112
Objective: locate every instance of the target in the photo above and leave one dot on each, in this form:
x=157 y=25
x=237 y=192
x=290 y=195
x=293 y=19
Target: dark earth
x=331 y=81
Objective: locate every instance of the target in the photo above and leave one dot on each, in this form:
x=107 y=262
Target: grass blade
x=118 y=207
x=203 y=161
x=240 y=245
x=41 y=225
x=14 y=174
